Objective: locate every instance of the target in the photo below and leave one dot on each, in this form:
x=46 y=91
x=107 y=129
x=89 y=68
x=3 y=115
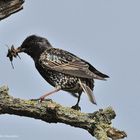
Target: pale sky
x=104 y=32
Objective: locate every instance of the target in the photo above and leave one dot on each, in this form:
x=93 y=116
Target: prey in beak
x=12 y=52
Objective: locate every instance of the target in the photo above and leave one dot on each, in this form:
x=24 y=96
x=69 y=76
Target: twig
x=8 y=7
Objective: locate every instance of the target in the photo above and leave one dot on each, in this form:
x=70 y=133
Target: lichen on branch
x=98 y=124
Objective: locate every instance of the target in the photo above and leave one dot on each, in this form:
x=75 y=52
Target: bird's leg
x=77 y=107
x=47 y=94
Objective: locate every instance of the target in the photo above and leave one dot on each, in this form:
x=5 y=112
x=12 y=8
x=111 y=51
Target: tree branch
x=8 y=7
x=98 y=124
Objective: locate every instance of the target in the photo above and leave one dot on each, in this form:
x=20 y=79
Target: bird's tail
x=88 y=91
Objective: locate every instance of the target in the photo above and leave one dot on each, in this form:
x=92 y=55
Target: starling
x=62 y=69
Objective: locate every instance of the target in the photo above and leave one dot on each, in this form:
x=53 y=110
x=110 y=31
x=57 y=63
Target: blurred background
x=105 y=32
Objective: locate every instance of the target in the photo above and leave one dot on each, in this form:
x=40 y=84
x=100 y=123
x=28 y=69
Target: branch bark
x=98 y=124
x=8 y=7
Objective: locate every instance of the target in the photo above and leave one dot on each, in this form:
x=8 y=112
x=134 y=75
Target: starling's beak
x=20 y=49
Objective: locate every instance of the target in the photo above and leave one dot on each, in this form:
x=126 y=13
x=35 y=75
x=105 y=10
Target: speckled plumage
x=61 y=68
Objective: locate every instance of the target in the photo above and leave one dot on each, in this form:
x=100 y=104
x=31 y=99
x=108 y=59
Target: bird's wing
x=65 y=62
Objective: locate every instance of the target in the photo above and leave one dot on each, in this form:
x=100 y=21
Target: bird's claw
x=76 y=107
x=40 y=100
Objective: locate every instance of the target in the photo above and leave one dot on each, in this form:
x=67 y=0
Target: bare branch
x=98 y=124
x=8 y=7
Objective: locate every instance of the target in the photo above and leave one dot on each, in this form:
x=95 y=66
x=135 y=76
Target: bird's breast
x=54 y=78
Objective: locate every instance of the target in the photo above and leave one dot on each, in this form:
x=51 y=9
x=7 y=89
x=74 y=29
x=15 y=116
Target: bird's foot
x=76 y=107
x=40 y=100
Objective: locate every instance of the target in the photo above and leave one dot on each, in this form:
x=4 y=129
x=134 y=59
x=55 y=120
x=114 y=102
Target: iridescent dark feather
x=65 y=62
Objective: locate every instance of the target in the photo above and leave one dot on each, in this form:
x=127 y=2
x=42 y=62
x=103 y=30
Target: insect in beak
x=12 y=52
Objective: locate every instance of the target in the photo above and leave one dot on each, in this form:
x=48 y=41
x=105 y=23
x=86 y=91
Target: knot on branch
x=104 y=116
x=4 y=91
x=116 y=134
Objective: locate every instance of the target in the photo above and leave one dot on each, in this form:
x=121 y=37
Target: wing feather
x=65 y=62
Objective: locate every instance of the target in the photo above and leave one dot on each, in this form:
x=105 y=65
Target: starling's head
x=34 y=45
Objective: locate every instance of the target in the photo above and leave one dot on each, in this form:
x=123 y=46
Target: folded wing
x=65 y=62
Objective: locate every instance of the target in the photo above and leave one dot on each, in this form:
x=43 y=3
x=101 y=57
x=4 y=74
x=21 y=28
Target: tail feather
x=88 y=91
